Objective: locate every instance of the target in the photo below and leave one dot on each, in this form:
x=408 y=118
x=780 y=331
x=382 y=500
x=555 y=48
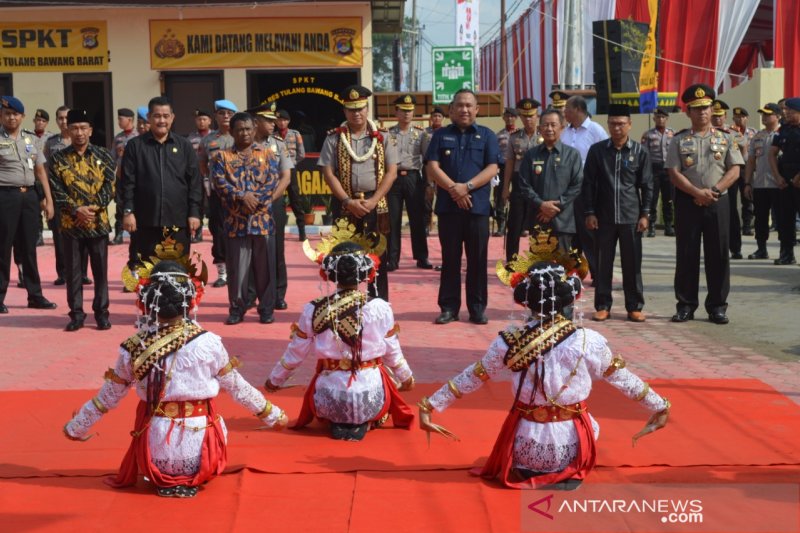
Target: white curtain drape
x=734 y=19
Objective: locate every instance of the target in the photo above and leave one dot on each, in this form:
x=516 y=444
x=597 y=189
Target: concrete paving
x=762 y=340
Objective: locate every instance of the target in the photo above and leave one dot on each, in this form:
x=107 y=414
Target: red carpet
x=721 y=431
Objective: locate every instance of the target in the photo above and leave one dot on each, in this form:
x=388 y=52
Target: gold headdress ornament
x=543 y=247
x=344 y=231
x=168 y=250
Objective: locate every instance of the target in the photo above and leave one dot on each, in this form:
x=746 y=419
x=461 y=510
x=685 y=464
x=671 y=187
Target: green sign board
x=453 y=69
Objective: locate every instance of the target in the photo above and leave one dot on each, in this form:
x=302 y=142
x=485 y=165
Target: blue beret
x=142 y=112
x=225 y=104
x=9 y=102
x=791 y=103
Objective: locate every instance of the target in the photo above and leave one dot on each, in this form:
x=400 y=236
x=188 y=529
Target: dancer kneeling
x=354 y=339
x=177 y=369
x=548 y=438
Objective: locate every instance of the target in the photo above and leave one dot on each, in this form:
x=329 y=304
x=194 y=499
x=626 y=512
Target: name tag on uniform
x=30 y=163
x=448 y=138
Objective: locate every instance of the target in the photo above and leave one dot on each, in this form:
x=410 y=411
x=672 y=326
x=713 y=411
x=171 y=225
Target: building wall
x=133 y=81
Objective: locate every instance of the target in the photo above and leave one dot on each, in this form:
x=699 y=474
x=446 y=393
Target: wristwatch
x=470 y=185
x=714 y=189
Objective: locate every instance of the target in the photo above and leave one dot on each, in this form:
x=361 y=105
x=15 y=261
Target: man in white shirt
x=581 y=133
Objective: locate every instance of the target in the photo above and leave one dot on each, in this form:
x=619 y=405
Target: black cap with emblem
x=528 y=107
x=405 y=102
x=698 y=95
x=355 y=96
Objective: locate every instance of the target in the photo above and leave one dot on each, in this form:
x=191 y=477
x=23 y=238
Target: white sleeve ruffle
x=467 y=382
x=298 y=349
x=248 y=396
x=381 y=312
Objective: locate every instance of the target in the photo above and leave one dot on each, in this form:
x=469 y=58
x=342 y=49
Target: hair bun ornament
x=344 y=231
x=543 y=247
x=168 y=250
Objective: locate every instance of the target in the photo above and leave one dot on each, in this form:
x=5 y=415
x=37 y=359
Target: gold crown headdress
x=343 y=231
x=543 y=247
x=167 y=250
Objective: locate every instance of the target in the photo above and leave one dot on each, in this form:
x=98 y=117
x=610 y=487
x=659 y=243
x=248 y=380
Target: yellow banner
x=255 y=43
x=68 y=46
x=648 y=79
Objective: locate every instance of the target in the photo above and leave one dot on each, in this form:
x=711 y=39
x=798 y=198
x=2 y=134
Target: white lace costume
x=195 y=376
x=338 y=398
x=551 y=446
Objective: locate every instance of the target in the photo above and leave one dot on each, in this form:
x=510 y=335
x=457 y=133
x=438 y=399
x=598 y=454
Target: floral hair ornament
x=168 y=250
x=543 y=247
x=373 y=244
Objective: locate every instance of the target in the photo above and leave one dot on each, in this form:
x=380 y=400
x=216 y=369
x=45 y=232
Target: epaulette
x=29 y=132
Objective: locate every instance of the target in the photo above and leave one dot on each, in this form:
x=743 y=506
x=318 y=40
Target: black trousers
x=710 y=224
x=147 y=238
x=408 y=189
x=216 y=218
x=663 y=186
x=584 y=238
x=380 y=287
x=251 y=270
x=58 y=245
x=281 y=218
x=735 y=232
x=630 y=251
x=294 y=202
x=19 y=228
x=764 y=201
x=498 y=205
x=464 y=233
x=74 y=251
x=118 y=208
x=519 y=211
x=788 y=207
x=748 y=206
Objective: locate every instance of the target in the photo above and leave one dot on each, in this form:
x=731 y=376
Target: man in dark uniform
x=656 y=142
x=435 y=121
x=786 y=170
x=21 y=166
x=409 y=187
x=360 y=165
x=297 y=151
x=220 y=139
x=740 y=117
x=127 y=132
x=703 y=164
x=499 y=211
x=266 y=118
x=550 y=179
x=82 y=178
x=162 y=187
x=202 y=124
x=617 y=186
x=517 y=146
x=759 y=183
x=40 y=135
x=463 y=160
x=719 y=115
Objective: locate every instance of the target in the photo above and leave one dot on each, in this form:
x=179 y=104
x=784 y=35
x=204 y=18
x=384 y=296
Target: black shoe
x=265 y=318
x=747 y=231
x=221 y=282
x=280 y=305
x=86 y=280
x=233 y=319
x=74 y=325
x=651 y=231
x=759 y=254
x=424 y=264
x=669 y=231
x=718 y=317
x=736 y=255
x=116 y=240
x=479 y=319
x=683 y=316
x=59 y=281
x=21 y=284
x=438 y=268
x=391 y=267
x=301 y=236
x=44 y=303
x=445 y=317
x=785 y=260
x=40 y=240
x=103 y=324
x=3 y=309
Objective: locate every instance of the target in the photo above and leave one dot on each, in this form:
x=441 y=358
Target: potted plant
x=308 y=210
x=327 y=217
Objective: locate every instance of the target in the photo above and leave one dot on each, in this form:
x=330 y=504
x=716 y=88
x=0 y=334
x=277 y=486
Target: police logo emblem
x=407 y=99
x=169 y=47
x=699 y=92
x=343 y=41
x=89 y=37
x=353 y=95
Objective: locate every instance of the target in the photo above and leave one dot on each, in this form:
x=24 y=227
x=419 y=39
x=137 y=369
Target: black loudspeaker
x=618 y=47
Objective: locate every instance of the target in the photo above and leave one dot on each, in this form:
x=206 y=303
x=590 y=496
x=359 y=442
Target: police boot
x=786 y=257
x=501 y=229
x=760 y=253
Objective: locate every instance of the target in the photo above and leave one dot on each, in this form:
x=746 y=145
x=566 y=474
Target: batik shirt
x=82 y=180
x=233 y=174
